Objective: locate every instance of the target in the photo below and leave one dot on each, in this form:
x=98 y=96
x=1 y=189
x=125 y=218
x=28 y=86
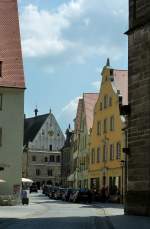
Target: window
x=110 y=101
x=98 y=155
x=58 y=158
x=112 y=152
x=85 y=141
x=0 y=68
x=93 y=156
x=99 y=128
x=46 y=159
x=50 y=148
x=105 y=101
x=0 y=136
x=50 y=172
x=1 y=100
x=33 y=158
x=38 y=172
x=51 y=158
x=118 y=151
x=112 y=123
x=105 y=125
x=101 y=106
x=104 y=153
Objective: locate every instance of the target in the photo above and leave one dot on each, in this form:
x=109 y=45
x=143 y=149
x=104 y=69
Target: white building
x=43 y=140
x=11 y=103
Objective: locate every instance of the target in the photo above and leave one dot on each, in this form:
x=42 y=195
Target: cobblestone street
x=45 y=213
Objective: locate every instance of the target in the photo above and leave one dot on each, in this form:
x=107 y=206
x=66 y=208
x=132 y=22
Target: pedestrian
x=24 y=197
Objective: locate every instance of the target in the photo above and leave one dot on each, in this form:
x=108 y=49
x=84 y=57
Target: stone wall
x=138 y=194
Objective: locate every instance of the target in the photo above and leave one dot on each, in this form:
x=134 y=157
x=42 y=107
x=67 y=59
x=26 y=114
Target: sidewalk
x=117 y=220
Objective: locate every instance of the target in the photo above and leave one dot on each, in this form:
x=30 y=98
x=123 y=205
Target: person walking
x=24 y=197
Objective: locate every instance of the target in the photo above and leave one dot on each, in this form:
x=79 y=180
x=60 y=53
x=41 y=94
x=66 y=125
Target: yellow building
x=107 y=139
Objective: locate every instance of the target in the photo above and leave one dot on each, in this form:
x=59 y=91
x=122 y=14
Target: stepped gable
x=12 y=74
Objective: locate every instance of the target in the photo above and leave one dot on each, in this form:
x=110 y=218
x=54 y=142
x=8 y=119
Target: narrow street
x=45 y=213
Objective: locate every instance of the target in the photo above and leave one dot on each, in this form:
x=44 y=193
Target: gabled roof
x=10 y=46
x=89 y=100
x=121 y=83
x=78 y=115
x=32 y=126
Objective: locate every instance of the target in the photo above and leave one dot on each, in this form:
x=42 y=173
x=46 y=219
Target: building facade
x=43 y=140
x=11 y=103
x=137 y=199
x=66 y=159
x=86 y=121
x=107 y=138
x=75 y=148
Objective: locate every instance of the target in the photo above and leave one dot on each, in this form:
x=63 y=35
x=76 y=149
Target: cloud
x=41 y=32
x=71 y=107
x=75 y=31
x=96 y=85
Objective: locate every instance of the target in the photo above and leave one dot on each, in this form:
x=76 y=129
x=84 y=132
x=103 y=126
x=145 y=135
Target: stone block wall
x=138 y=194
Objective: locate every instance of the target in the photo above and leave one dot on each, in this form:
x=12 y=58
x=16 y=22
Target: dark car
x=82 y=195
x=33 y=188
x=72 y=194
x=46 y=189
x=66 y=194
x=52 y=192
x=59 y=193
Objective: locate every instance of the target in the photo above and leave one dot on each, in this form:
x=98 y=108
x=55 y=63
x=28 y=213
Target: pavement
x=45 y=213
x=118 y=220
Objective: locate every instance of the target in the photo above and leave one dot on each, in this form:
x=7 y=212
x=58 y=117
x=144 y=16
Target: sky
x=65 y=44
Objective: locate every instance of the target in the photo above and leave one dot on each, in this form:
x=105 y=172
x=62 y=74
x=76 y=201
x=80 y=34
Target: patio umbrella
x=2 y=181
x=26 y=180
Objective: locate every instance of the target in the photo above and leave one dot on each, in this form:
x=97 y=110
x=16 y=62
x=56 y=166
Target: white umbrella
x=26 y=180
x=2 y=181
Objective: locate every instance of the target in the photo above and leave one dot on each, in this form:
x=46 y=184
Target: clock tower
x=138 y=190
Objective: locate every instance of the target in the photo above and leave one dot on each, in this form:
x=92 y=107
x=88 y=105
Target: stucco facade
x=86 y=121
x=11 y=123
x=107 y=139
x=11 y=103
x=43 y=140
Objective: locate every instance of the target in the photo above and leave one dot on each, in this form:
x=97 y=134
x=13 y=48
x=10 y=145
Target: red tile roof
x=10 y=46
x=89 y=100
x=121 y=83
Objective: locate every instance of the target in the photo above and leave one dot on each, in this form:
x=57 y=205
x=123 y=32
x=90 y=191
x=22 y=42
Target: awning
x=26 y=180
x=71 y=177
x=2 y=181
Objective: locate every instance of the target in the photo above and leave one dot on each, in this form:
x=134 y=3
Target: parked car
x=72 y=194
x=82 y=195
x=46 y=189
x=33 y=188
x=52 y=192
x=58 y=193
x=66 y=194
